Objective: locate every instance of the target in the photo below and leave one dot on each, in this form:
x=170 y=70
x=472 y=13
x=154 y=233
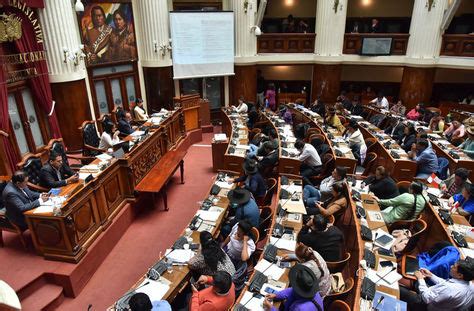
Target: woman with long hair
x=407 y=206
x=336 y=206
x=122 y=40
x=211 y=258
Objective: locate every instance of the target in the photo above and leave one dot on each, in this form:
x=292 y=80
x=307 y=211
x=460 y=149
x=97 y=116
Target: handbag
x=337 y=283
x=402 y=236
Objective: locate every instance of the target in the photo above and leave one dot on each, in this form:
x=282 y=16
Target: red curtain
x=10 y=154
x=40 y=86
x=29 y=3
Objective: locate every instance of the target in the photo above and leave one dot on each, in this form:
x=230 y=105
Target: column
x=330 y=27
x=154 y=52
x=245 y=40
x=60 y=30
x=326 y=82
x=416 y=86
x=244 y=83
x=425 y=29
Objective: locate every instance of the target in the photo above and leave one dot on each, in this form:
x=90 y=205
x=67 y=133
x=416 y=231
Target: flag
x=434 y=180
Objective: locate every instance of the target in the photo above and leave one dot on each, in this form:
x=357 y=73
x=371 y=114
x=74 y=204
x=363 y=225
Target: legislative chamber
x=237 y=155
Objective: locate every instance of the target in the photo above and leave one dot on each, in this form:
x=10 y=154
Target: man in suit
x=55 y=173
x=124 y=123
x=18 y=199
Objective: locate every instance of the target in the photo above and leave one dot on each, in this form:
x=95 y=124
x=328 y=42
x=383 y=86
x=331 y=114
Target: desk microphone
x=379 y=301
x=383 y=277
x=375 y=238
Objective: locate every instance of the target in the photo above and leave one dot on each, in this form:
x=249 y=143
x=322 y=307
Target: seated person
x=241 y=107
x=210 y=258
x=253 y=116
x=464 y=200
x=415 y=113
x=303 y=293
x=219 y=296
x=437 y=124
x=252 y=180
x=346 y=102
x=312 y=194
x=468 y=145
x=109 y=137
x=408 y=138
x=396 y=129
x=356 y=141
x=454 y=184
x=357 y=107
x=124 y=126
x=337 y=205
x=319 y=107
x=18 y=198
x=140 y=112
x=55 y=173
x=333 y=120
x=286 y=115
x=326 y=240
x=426 y=159
x=272 y=138
x=406 y=206
x=310 y=160
x=456 y=293
x=141 y=302
x=311 y=259
x=270 y=159
x=455 y=130
x=239 y=245
x=382 y=185
x=381 y=101
x=245 y=207
x=398 y=108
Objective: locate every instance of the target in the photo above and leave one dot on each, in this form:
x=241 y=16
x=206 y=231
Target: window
x=30 y=132
x=114 y=86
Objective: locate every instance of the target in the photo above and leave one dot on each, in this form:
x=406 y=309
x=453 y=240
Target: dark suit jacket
x=385 y=188
x=124 y=127
x=16 y=202
x=49 y=178
x=268 y=160
x=406 y=145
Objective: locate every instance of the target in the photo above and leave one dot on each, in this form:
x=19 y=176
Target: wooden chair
x=106 y=117
x=310 y=132
x=349 y=284
x=370 y=163
x=31 y=164
x=58 y=147
x=271 y=185
x=409 y=264
x=331 y=219
x=316 y=136
x=266 y=218
x=256 y=234
x=338 y=266
x=403 y=186
x=90 y=139
x=328 y=166
x=370 y=143
x=339 y=305
x=417 y=229
x=433 y=110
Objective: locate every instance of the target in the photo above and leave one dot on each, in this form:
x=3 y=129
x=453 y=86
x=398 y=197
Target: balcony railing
x=353 y=42
x=458 y=45
x=286 y=43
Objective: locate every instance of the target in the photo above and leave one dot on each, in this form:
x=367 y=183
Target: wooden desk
x=236 y=129
x=90 y=210
x=464 y=160
x=156 y=180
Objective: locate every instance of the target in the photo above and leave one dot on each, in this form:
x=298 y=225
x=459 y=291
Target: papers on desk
x=343 y=149
x=434 y=191
x=296 y=207
x=390 y=280
x=388 y=303
x=104 y=157
x=211 y=216
x=90 y=169
x=155 y=290
x=43 y=209
x=467 y=252
x=251 y=302
x=137 y=133
x=375 y=216
x=244 y=147
x=156 y=120
x=338 y=140
x=283 y=243
x=292 y=152
x=293 y=188
x=224 y=184
x=269 y=269
x=179 y=255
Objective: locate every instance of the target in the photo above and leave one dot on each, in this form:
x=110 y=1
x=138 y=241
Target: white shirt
x=234 y=248
x=140 y=114
x=381 y=103
x=106 y=141
x=452 y=294
x=310 y=156
x=242 y=108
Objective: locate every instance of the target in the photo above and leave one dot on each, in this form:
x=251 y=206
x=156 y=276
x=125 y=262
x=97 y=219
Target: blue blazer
x=16 y=202
x=124 y=127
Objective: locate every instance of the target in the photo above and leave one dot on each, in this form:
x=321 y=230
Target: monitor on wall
x=376 y=46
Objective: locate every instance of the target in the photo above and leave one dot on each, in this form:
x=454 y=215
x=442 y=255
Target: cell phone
x=369 y=201
x=270 y=290
x=386 y=263
x=284 y=264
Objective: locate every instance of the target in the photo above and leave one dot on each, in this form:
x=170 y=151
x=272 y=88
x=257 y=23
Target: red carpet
x=151 y=232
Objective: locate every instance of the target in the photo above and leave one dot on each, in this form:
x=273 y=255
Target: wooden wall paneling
x=159 y=86
x=72 y=108
x=244 y=83
x=458 y=45
x=286 y=43
x=416 y=86
x=326 y=82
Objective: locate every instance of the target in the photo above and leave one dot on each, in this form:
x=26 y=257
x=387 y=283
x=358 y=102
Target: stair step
x=42 y=298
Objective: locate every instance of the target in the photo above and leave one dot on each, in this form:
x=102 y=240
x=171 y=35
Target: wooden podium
x=196 y=111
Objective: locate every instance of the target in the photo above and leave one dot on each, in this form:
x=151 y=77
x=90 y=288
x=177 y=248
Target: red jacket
x=208 y=300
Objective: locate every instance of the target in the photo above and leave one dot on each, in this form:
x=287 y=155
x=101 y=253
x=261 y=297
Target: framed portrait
x=108 y=34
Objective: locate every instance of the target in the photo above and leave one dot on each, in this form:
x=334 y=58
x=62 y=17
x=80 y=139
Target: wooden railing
x=286 y=43
x=458 y=45
x=353 y=42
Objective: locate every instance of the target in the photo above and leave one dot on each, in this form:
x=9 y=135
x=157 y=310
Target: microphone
x=379 y=301
x=375 y=238
x=383 y=277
